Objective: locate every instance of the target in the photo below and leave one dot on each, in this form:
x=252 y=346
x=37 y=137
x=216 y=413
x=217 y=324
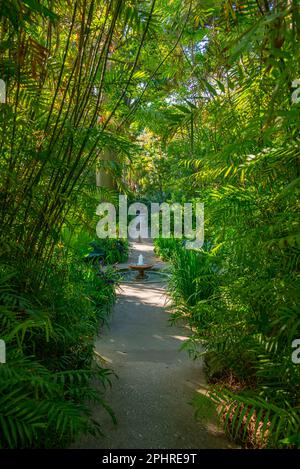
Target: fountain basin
x=153 y=276
x=140 y=268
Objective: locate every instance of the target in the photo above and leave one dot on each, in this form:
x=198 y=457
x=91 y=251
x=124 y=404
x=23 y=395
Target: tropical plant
x=48 y=382
x=166 y=248
x=230 y=137
x=73 y=72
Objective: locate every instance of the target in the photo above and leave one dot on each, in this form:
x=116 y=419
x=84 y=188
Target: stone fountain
x=140 y=267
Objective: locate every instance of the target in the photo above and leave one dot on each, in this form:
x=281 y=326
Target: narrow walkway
x=156 y=381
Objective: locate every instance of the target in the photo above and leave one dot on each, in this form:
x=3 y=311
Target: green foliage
x=193 y=276
x=48 y=382
x=205 y=90
x=109 y=251
x=253 y=420
x=72 y=71
x=228 y=136
x=44 y=408
x=166 y=248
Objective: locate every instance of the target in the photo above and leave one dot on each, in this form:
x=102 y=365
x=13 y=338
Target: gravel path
x=156 y=381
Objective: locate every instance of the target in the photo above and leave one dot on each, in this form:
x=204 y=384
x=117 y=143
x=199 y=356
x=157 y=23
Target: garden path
x=151 y=398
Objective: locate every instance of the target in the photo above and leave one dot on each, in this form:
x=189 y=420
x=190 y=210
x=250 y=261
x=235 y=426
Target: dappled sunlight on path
x=151 y=398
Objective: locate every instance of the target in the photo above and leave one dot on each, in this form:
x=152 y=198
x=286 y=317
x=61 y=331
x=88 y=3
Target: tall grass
x=165 y=248
x=247 y=353
x=193 y=276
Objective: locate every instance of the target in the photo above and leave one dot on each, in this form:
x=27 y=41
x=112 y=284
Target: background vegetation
x=235 y=146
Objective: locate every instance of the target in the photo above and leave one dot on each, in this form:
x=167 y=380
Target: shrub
x=109 y=251
x=49 y=380
x=166 y=247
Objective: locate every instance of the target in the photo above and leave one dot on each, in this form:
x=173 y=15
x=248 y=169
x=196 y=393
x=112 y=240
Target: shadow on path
x=156 y=381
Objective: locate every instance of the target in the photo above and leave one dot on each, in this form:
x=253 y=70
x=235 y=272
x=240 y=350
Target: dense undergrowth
x=244 y=328
x=52 y=376
x=234 y=146
x=54 y=126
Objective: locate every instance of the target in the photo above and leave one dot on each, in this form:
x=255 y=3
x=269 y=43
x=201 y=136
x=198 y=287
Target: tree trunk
x=104 y=175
